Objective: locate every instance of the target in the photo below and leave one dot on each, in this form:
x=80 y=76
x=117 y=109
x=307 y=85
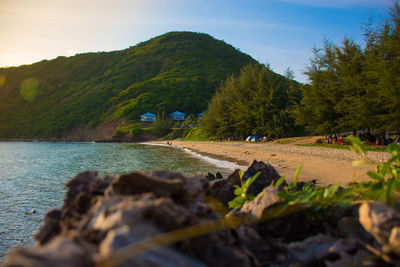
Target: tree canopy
x=354 y=86
x=258 y=101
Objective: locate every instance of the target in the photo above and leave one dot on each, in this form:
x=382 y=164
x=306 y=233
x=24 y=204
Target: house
x=177 y=116
x=148 y=117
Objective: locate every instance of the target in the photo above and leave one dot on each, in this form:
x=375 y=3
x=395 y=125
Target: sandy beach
x=326 y=165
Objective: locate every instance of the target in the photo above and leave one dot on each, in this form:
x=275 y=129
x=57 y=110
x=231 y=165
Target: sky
x=281 y=33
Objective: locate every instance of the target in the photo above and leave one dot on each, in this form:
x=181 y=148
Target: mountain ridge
x=173 y=71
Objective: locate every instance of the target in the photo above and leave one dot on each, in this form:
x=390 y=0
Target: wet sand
x=326 y=165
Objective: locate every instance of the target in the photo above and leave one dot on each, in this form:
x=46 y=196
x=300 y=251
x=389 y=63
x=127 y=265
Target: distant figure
x=370 y=137
x=354 y=133
x=388 y=139
x=33 y=211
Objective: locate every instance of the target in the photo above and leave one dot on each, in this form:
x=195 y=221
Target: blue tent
x=253 y=138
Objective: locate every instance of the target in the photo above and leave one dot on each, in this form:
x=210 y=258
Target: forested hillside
x=175 y=71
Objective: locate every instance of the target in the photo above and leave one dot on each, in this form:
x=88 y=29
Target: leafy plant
x=385 y=180
x=241 y=191
x=313 y=197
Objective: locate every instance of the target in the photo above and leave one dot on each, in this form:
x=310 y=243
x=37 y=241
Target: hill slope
x=177 y=70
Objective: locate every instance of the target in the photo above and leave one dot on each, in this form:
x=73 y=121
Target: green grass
x=197 y=138
x=347 y=147
x=197 y=134
x=283 y=141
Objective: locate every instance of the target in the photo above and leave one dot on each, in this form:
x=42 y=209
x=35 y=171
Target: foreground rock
x=120 y=221
x=223 y=189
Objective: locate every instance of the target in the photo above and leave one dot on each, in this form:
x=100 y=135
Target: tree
x=162 y=126
x=354 y=105
x=256 y=102
x=353 y=86
x=320 y=97
x=385 y=49
x=289 y=73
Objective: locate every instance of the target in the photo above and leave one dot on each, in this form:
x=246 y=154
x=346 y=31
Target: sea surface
x=32 y=176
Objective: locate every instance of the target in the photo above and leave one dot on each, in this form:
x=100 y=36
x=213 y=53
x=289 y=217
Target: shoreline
x=326 y=165
x=217 y=160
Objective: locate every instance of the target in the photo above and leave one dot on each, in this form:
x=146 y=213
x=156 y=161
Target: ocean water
x=32 y=176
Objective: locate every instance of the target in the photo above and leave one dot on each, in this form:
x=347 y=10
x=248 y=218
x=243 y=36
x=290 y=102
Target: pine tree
x=254 y=103
x=318 y=106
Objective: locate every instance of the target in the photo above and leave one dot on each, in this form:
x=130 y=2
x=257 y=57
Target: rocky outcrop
x=223 y=189
x=163 y=218
x=103 y=215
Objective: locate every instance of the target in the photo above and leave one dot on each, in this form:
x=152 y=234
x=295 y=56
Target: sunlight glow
x=29 y=89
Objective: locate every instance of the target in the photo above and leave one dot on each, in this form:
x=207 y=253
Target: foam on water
x=216 y=162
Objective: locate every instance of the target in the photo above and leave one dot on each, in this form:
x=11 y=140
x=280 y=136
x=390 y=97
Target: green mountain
x=174 y=71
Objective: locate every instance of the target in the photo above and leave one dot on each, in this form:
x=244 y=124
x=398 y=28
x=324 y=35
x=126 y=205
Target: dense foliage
x=353 y=86
x=174 y=71
x=258 y=101
x=162 y=126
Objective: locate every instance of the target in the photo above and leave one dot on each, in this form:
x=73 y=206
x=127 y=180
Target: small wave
x=217 y=162
x=225 y=164
x=156 y=144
